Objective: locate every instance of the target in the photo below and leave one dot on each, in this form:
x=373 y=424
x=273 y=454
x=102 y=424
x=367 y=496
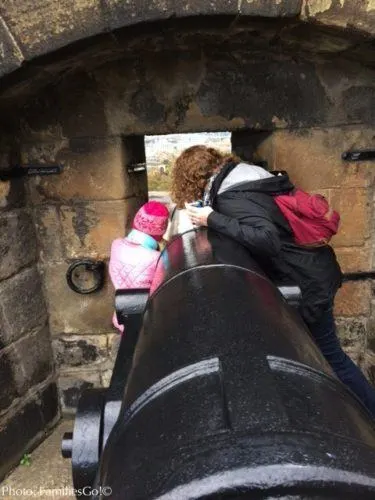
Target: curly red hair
x=192 y=170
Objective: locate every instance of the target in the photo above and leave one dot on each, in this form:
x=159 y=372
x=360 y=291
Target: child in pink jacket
x=133 y=258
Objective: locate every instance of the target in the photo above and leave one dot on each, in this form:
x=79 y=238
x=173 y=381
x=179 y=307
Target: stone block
x=352 y=334
x=12 y=194
x=270 y=8
x=11 y=56
x=354 y=259
x=113 y=345
x=213 y=7
x=80 y=350
x=8 y=391
x=49 y=403
x=72 y=313
x=89 y=228
x=122 y=13
x=17 y=242
x=353 y=206
x=312 y=157
x=353 y=299
x=42 y=27
x=266 y=94
x=105 y=377
x=49 y=232
x=17 y=433
x=22 y=305
x=356 y=15
x=72 y=387
x=31 y=359
x=94 y=169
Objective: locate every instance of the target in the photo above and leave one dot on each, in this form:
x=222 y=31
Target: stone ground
x=48 y=476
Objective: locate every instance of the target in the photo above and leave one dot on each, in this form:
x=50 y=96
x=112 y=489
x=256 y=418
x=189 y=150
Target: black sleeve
x=251 y=226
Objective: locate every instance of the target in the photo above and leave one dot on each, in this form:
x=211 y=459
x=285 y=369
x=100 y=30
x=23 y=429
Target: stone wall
x=77 y=215
x=28 y=394
x=303 y=115
x=301 y=90
x=313 y=159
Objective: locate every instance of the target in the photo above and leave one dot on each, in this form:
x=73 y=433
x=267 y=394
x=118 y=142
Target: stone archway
x=82 y=82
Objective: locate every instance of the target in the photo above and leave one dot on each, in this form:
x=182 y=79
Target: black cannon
x=219 y=392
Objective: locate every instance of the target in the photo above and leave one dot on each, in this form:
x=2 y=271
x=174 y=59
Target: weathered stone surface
x=41 y=27
x=89 y=229
x=17 y=242
x=49 y=231
x=93 y=170
x=113 y=344
x=8 y=389
x=48 y=128
x=80 y=350
x=32 y=360
x=12 y=194
x=27 y=426
x=213 y=7
x=266 y=93
x=354 y=259
x=317 y=39
x=22 y=306
x=353 y=206
x=270 y=8
x=11 y=56
x=352 y=334
x=350 y=14
x=122 y=13
x=72 y=313
x=49 y=403
x=17 y=433
x=353 y=299
x=312 y=157
x=359 y=103
x=72 y=387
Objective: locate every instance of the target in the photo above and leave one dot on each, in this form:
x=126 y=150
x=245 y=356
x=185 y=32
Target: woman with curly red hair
x=237 y=200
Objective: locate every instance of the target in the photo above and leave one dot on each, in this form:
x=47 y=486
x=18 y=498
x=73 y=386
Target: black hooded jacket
x=247 y=212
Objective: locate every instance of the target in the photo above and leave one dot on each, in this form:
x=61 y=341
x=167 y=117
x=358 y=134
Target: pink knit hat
x=152 y=219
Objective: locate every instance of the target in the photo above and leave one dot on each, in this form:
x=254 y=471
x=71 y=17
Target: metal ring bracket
x=97 y=269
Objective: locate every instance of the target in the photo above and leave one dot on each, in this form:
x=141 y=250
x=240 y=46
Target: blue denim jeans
x=324 y=333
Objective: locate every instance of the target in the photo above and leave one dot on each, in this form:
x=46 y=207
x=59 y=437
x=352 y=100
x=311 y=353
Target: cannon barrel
x=219 y=391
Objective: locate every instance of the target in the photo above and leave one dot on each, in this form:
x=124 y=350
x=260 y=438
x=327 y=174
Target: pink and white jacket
x=131 y=266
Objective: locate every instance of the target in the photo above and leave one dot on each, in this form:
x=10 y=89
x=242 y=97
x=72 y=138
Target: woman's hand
x=198 y=216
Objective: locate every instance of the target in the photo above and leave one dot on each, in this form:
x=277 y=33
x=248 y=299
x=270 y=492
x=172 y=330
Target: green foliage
x=159 y=181
x=26 y=460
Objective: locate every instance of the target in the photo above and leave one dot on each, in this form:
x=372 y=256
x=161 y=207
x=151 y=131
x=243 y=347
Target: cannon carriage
x=219 y=392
